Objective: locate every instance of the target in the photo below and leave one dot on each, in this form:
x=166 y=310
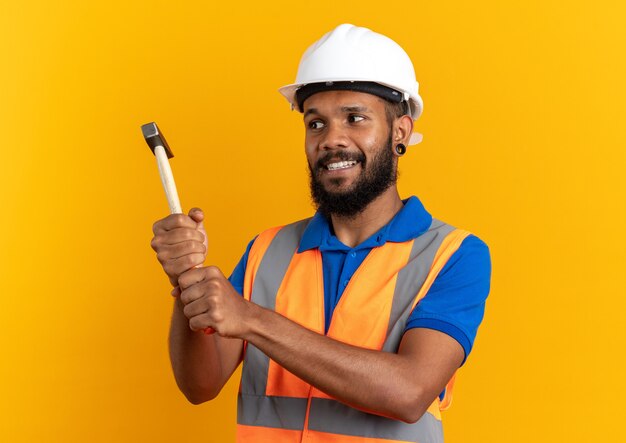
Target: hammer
x=160 y=148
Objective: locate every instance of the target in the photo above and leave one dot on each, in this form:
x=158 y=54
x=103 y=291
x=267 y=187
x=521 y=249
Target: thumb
x=196 y=214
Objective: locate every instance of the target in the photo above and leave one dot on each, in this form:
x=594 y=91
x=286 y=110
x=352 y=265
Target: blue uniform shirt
x=454 y=304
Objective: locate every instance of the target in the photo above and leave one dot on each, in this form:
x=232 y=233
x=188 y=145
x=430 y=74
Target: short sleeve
x=237 y=277
x=455 y=303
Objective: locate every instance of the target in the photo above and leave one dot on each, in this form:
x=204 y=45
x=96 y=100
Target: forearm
x=198 y=367
x=379 y=382
x=400 y=385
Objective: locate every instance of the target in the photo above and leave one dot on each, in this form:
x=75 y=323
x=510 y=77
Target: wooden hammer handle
x=167 y=178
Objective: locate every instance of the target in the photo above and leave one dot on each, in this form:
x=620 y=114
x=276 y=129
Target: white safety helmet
x=354 y=58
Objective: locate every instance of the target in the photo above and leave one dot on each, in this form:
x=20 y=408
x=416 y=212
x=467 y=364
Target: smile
x=341 y=165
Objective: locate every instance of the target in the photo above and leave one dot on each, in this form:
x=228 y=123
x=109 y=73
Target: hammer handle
x=167 y=178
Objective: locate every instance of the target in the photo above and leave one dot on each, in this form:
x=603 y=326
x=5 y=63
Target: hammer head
x=154 y=137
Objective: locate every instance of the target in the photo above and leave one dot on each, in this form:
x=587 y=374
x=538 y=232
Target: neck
x=353 y=231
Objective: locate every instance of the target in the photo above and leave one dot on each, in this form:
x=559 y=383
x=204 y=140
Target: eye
x=315 y=124
x=353 y=118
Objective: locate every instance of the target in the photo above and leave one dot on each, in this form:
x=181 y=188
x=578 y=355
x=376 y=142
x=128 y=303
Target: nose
x=334 y=137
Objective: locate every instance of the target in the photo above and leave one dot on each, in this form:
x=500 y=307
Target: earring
x=400 y=149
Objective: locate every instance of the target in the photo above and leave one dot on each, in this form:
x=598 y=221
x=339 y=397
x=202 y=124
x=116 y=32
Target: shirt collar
x=409 y=223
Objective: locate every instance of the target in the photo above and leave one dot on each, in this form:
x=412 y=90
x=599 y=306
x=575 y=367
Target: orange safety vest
x=274 y=405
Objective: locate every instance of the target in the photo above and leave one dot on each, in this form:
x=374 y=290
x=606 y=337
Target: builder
x=350 y=324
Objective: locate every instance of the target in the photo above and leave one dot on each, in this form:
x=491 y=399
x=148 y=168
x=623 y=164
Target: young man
x=352 y=323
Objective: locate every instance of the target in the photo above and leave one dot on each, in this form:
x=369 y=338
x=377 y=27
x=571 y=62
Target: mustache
x=339 y=156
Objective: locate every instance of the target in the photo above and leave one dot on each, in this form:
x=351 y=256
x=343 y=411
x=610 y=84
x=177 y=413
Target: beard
x=375 y=178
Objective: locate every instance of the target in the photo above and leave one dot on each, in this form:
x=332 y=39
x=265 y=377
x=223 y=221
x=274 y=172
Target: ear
x=402 y=130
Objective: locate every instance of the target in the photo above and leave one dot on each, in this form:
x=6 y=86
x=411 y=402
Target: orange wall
x=523 y=145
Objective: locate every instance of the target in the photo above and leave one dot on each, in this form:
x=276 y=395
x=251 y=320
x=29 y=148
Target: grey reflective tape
x=271 y=412
x=270 y=274
x=256 y=409
x=275 y=262
x=254 y=373
x=411 y=278
x=336 y=418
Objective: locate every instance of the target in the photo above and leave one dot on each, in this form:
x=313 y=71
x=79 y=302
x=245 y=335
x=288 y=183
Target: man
x=351 y=323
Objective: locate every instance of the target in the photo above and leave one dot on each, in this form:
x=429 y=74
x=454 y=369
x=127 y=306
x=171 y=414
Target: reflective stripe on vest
x=275 y=405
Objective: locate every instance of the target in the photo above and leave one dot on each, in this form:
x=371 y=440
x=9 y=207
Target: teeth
x=340 y=165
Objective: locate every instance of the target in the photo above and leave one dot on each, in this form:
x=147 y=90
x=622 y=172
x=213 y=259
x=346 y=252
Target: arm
x=202 y=364
x=400 y=385
x=455 y=303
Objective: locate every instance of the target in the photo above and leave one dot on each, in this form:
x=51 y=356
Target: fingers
x=177 y=266
x=180 y=243
x=194 y=276
x=194 y=307
x=203 y=304
x=173 y=221
x=200 y=290
x=178 y=235
x=200 y=322
x=209 y=300
x=177 y=250
x=200 y=287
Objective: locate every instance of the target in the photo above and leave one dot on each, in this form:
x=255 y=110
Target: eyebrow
x=310 y=111
x=354 y=108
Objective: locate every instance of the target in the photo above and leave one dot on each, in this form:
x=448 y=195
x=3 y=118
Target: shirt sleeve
x=237 y=277
x=455 y=303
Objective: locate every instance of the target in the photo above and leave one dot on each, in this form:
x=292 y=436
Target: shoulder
x=455 y=303
x=464 y=262
x=467 y=246
x=472 y=256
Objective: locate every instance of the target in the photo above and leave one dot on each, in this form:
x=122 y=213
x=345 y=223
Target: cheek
x=372 y=144
x=309 y=153
x=310 y=142
x=371 y=137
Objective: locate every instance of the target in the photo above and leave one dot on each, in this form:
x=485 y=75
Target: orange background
x=523 y=145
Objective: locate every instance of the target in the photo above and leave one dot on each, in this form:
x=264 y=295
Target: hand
x=180 y=242
x=211 y=301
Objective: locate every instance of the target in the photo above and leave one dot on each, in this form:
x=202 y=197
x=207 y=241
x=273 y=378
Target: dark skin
x=401 y=385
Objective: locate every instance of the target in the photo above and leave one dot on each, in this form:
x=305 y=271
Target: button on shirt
x=455 y=302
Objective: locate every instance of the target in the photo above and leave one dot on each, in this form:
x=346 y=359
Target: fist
x=180 y=243
x=210 y=301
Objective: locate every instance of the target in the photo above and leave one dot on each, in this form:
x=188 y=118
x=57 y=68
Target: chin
x=339 y=186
